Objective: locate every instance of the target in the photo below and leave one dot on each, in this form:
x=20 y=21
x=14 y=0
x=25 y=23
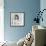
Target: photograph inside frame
x=17 y=19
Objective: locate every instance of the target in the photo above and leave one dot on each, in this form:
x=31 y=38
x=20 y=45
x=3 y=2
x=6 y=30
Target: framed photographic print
x=17 y=18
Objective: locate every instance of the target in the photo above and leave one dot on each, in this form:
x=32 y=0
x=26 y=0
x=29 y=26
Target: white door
x=1 y=20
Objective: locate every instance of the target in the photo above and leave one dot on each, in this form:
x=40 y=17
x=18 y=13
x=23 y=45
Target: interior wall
x=43 y=6
x=29 y=7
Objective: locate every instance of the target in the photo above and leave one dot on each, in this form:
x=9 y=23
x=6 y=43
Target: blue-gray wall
x=43 y=6
x=29 y=7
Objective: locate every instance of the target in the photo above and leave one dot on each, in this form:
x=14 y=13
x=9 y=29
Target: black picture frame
x=17 y=19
